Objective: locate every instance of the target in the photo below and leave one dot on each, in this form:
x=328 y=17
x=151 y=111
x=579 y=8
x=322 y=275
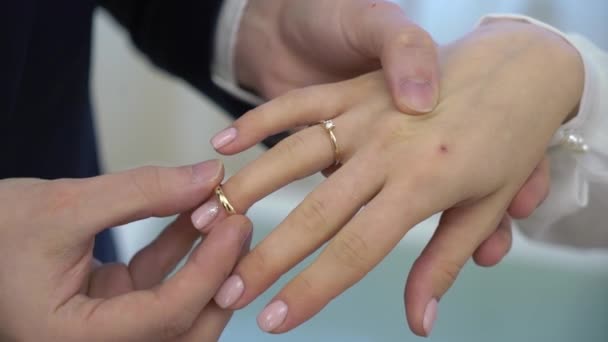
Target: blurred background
x=538 y=293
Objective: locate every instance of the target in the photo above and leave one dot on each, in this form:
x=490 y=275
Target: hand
x=386 y=38
x=52 y=288
x=286 y=44
x=468 y=158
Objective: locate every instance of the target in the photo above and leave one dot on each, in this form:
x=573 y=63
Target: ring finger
x=298 y=156
x=315 y=221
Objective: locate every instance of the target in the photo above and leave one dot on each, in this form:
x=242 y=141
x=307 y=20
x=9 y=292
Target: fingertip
x=224 y=138
x=203 y=217
x=412 y=68
x=430 y=316
x=493 y=250
x=211 y=171
x=416 y=96
x=418 y=296
x=523 y=205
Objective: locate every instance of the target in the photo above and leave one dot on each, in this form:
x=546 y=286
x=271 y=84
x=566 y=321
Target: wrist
x=532 y=57
x=546 y=46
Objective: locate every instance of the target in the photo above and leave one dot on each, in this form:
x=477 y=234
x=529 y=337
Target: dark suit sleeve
x=177 y=35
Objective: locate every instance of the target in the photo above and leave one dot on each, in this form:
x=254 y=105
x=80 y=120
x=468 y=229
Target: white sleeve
x=226 y=35
x=576 y=211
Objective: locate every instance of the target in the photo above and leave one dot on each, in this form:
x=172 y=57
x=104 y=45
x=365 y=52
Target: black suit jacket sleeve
x=178 y=36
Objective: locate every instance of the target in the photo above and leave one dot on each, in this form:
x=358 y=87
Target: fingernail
x=230 y=292
x=430 y=315
x=206 y=171
x=205 y=214
x=419 y=95
x=224 y=138
x=272 y=316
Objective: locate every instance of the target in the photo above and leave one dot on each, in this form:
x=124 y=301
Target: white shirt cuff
x=579 y=158
x=226 y=35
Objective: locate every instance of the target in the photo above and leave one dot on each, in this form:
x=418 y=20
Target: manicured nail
x=224 y=138
x=419 y=95
x=430 y=315
x=206 y=171
x=272 y=316
x=205 y=214
x=230 y=292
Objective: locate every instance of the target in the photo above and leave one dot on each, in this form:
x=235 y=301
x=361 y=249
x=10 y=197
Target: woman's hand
x=285 y=44
x=502 y=100
x=51 y=288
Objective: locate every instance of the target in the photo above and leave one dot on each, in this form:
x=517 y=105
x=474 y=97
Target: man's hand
x=51 y=288
x=287 y=44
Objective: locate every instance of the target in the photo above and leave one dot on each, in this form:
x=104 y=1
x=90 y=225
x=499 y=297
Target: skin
x=309 y=46
x=51 y=288
x=501 y=102
x=321 y=41
x=47 y=228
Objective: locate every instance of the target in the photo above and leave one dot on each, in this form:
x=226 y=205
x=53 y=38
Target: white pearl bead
x=574 y=141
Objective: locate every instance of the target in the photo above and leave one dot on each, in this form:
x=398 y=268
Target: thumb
x=408 y=54
x=85 y=207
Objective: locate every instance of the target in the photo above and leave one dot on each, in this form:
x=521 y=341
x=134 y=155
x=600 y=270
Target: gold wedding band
x=221 y=197
x=329 y=127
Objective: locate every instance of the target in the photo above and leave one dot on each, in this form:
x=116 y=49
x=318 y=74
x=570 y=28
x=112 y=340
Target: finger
x=497 y=246
x=170 y=309
x=296 y=157
x=300 y=107
x=322 y=213
x=213 y=320
x=408 y=54
x=460 y=231
x=92 y=205
x=353 y=252
x=109 y=280
x=533 y=193
x=209 y=325
x=154 y=262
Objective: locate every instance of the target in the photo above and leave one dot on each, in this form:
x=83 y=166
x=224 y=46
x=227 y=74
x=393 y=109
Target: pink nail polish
x=204 y=215
x=206 y=171
x=224 y=138
x=430 y=315
x=230 y=292
x=273 y=316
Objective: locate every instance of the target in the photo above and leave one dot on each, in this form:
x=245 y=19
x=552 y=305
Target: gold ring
x=219 y=192
x=329 y=126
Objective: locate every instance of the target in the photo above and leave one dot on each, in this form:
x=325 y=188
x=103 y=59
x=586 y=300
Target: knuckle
x=258 y=261
x=352 y=251
x=414 y=37
x=62 y=192
x=313 y=215
x=174 y=328
x=176 y=323
x=290 y=146
x=146 y=183
x=293 y=97
x=62 y=199
x=304 y=286
x=394 y=131
x=446 y=273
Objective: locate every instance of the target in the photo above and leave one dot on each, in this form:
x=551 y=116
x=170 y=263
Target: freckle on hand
x=443 y=149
